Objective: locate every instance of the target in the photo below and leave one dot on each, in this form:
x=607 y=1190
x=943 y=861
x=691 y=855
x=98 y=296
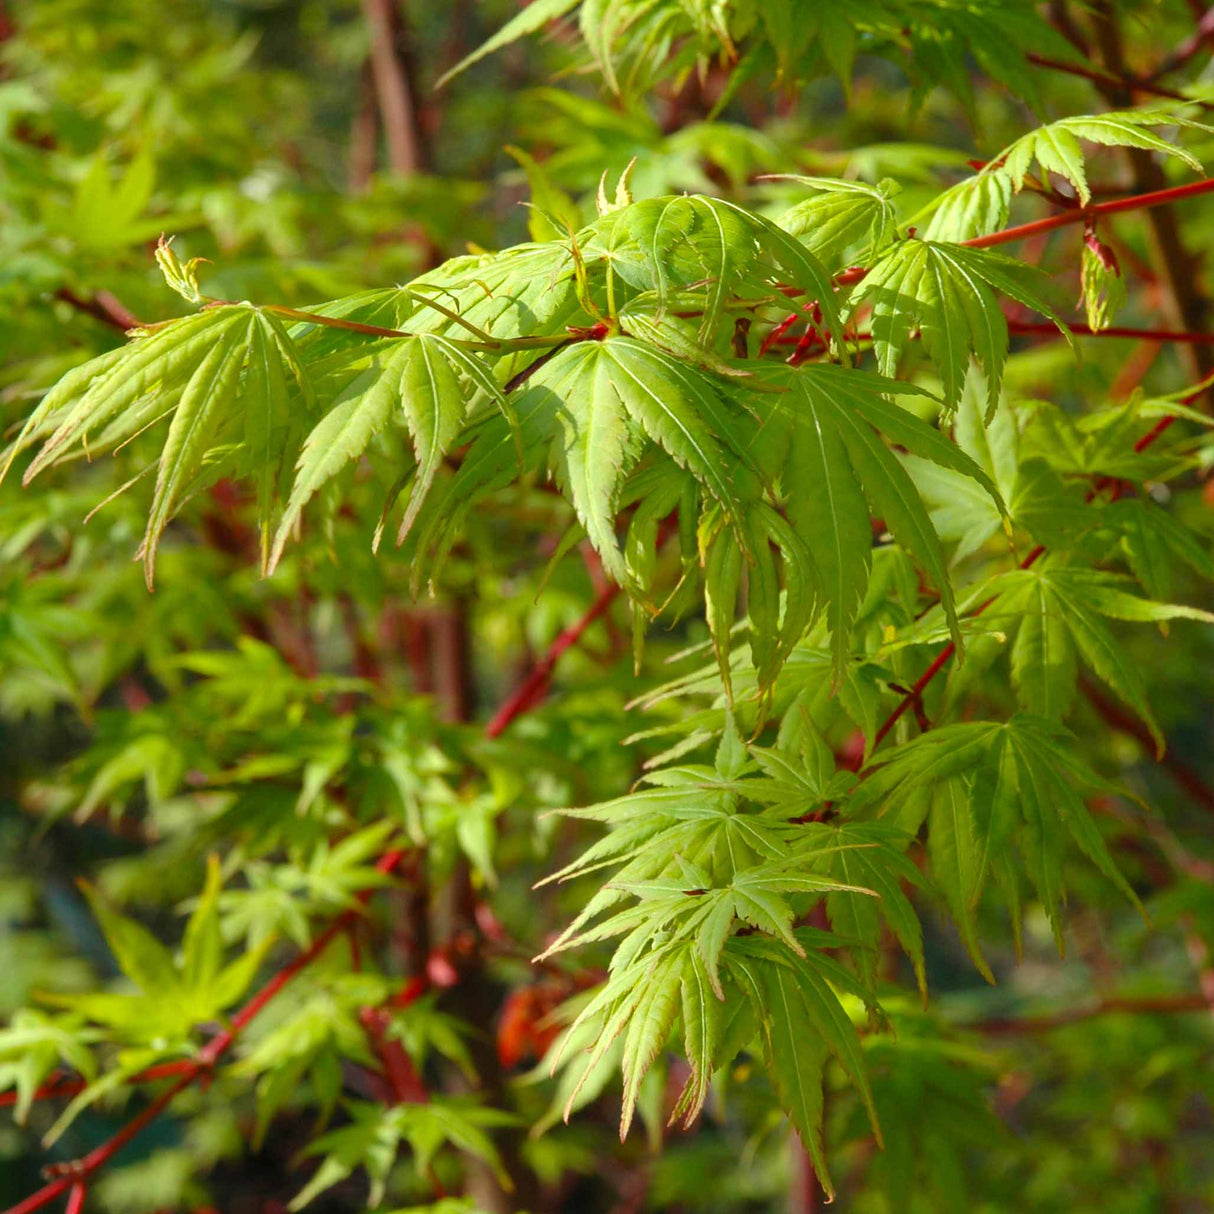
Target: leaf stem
x=532 y=689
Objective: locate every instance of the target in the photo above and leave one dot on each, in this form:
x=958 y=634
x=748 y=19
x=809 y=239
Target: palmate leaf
x=373 y=1140
x=521 y=291
x=424 y=384
x=836 y=466
x=871 y=855
x=780 y=593
x=841 y=218
x=205 y=404
x=33 y=1045
x=534 y=17
x=979 y=205
x=174 y=993
x=634 y=43
x=604 y=400
x=226 y=376
x=1058 y=612
x=789 y=998
x=948 y=293
x=961 y=510
x=788 y=994
x=987 y=785
x=715 y=246
x=592 y=409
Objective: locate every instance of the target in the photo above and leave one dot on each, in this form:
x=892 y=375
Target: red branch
x=1136 y=202
x=73 y=1175
x=1027 y=328
x=1081 y=330
x=1115 y=206
x=103 y=306
x=533 y=688
x=1118 y=718
x=1107 y=80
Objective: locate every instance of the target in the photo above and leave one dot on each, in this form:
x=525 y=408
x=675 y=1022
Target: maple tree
x=657 y=656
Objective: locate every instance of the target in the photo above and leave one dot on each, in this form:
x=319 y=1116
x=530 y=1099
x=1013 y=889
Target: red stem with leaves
x=71 y=1178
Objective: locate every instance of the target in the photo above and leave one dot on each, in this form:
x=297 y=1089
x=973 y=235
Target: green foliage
x=917 y=602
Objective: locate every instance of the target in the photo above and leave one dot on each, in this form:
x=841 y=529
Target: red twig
x=1049 y=329
x=1115 y=206
x=532 y=689
x=75 y=1199
x=1136 y=202
x=1107 y=80
x=404 y=1085
x=74 y=1174
x=1082 y=330
x=103 y=306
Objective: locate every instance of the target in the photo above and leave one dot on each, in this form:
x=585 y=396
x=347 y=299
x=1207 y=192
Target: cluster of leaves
x=637 y=43
x=672 y=389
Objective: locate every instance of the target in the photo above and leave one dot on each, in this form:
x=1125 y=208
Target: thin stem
x=1106 y=80
x=1030 y=328
x=532 y=689
x=103 y=306
x=1136 y=202
x=356 y=326
x=1115 y=206
x=190 y=1070
x=1082 y=330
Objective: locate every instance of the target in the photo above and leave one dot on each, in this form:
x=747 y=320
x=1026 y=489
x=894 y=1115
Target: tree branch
x=390 y=72
x=71 y=1175
x=102 y=306
x=1104 y=80
x=1188 y=306
x=533 y=688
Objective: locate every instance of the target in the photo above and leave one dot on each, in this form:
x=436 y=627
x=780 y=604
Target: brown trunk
x=390 y=74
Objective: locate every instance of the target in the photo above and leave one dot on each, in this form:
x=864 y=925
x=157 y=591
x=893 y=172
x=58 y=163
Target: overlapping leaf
x=227 y=378
x=837 y=466
x=1062 y=612
x=949 y=294
x=979 y=205
x=985 y=785
x=422 y=384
